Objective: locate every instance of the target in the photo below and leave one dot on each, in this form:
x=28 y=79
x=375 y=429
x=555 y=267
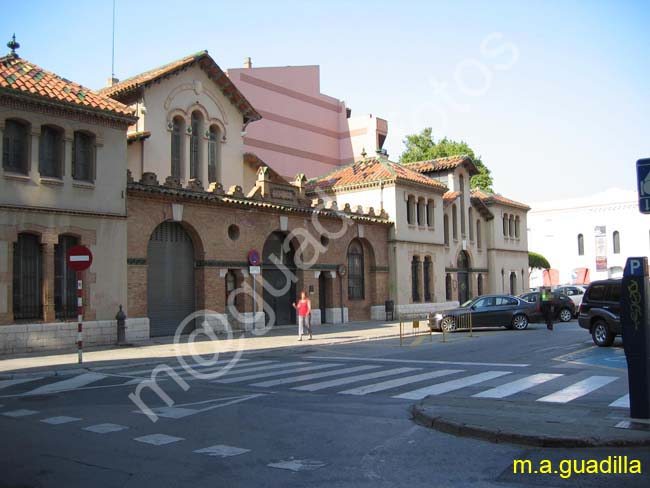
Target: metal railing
x=421 y=324
x=457 y=322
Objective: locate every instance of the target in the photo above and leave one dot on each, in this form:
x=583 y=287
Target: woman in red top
x=304 y=309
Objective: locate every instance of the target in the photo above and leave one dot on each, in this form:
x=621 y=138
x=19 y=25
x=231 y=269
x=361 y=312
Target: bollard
x=121 y=326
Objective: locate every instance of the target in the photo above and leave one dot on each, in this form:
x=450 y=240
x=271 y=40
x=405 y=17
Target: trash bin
x=389 y=305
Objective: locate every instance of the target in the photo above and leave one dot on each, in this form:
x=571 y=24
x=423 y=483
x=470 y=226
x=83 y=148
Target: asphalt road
x=317 y=416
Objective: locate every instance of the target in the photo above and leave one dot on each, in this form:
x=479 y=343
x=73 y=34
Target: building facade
x=302 y=129
x=588 y=238
x=62 y=183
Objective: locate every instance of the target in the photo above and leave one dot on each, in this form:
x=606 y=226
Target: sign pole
x=80 y=316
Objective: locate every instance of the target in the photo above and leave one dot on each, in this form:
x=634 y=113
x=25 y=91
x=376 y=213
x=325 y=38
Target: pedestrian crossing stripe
x=313 y=376
x=390 y=384
x=517 y=386
x=578 y=389
x=353 y=379
x=451 y=385
x=267 y=374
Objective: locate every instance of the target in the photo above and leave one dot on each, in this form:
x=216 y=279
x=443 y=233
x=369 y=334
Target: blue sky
x=553 y=95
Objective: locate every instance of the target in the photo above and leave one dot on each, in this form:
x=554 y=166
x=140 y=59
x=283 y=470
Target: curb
x=462 y=429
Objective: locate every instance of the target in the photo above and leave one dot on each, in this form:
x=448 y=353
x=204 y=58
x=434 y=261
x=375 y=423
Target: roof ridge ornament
x=13 y=45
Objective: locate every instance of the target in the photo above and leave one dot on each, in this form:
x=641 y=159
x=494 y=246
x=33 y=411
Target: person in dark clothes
x=548 y=307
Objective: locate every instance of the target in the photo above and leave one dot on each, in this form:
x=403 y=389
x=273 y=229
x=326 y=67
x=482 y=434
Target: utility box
x=636 y=334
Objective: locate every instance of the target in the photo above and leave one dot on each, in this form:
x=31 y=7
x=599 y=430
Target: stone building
x=198 y=204
x=62 y=183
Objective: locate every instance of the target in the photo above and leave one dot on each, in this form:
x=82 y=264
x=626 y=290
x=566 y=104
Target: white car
x=574 y=292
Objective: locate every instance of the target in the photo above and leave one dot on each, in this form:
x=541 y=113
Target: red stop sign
x=79 y=258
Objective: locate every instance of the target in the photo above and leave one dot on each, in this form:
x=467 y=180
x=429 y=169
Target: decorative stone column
x=185 y=173
x=48 y=242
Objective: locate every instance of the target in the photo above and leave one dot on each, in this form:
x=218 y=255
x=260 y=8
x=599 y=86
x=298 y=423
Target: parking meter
x=636 y=334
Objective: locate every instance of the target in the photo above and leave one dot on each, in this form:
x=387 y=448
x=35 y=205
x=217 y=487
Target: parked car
x=600 y=311
x=574 y=292
x=566 y=311
x=489 y=311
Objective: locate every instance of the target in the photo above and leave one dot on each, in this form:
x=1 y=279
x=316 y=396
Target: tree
x=537 y=261
x=421 y=147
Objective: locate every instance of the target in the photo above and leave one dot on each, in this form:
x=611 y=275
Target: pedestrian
x=304 y=313
x=548 y=307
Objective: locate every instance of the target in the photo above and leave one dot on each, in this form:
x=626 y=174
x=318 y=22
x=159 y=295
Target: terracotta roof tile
x=19 y=76
x=450 y=197
x=203 y=59
x=491 y=198
x=443 y=164
x=371 y=171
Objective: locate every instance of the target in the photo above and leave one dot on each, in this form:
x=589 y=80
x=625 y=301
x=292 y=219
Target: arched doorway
x=170 y=279
x=275 y=277
x=463 y=277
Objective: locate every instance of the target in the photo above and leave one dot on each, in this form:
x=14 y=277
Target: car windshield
x=467 y=304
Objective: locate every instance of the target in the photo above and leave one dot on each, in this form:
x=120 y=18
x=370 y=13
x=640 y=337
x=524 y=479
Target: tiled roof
x=494 y=198
x=138 y=136
x=203 y=59
x=371 y=171
x=443 y=164
x=20 y=77
x=449 y=197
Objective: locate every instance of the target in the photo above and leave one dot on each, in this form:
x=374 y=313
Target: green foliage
x=537 y=261
x=421 y=146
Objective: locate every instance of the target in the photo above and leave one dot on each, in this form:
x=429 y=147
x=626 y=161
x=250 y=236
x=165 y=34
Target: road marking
x=418 y=340
x=298 y=465
x=158 y=439
x=69 y=384
x=422 y=361
x=8 y=383
x=180 y=367
x=105 y=428
x=623 y=402
x=452 y=385
x=314 y=376
x=581 y=388
x=264 y=368
x=353 y=379
x=517 y=386
x=387 y=385
x=19 y=413
x=222 y=451
x=221 y=370
x=276 y=373
x=60 y=420
x=179 y=411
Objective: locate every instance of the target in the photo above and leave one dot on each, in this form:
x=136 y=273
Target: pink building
x=303 y=130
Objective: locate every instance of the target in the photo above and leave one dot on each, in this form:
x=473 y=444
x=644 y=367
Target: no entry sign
x=79 y=258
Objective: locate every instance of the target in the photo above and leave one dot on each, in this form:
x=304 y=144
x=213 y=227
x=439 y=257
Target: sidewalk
x=533 y=424
x=160 y=349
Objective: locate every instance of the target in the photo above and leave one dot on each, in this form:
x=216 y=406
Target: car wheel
x=448 y=324
x=519 y=322
x=601 y=334
x=565 y=315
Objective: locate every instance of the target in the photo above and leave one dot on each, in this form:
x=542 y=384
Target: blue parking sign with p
x=643 y=184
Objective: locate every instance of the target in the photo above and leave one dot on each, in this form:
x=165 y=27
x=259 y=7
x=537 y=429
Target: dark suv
x=600 y=311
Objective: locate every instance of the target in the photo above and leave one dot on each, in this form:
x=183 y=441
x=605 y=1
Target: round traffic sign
x=79 y=258
x=254 y=258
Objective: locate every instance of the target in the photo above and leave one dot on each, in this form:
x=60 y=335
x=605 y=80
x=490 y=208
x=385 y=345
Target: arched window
x=513 y=283
x=427 y=278
x=517 y=227
x=231 y=284
x=195 y=144
x=83 y=156
x=511 y=226
x=213 y=154
x=479 y=285
x=581 y=245
x=50 y=152
x=15 y=146
x=410 y=210
x=415 y=278
x=461 y=180
x=355 y=271
x=430 y=214
x=454 y=222
x=478 y=233
x=28 y=278
x=421 y=211
x=617 y=242
x=65 y=280
x=445 y=222
x=448 y=290
x=505 y=225
x=177 y=146
x=471 y=227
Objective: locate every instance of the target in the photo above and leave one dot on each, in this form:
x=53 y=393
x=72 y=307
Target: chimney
x=248 y=63
x=111 y=81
